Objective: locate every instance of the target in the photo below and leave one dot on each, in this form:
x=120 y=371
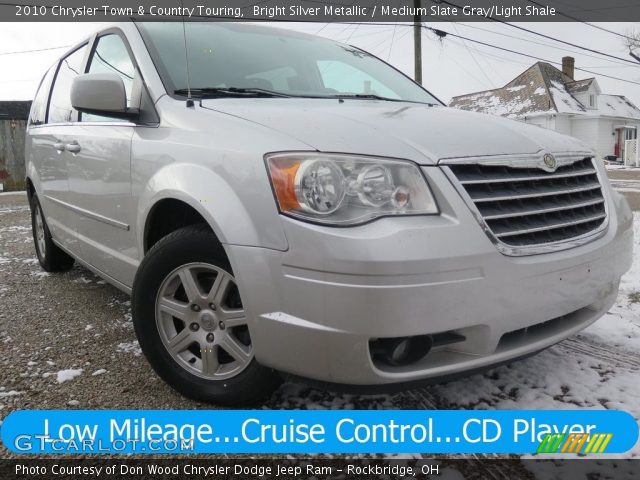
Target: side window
x=60 y=110
x=39 y=107
x=342 y=78
x=111 y=56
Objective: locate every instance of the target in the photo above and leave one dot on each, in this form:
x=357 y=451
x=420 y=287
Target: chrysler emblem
x=550 y=161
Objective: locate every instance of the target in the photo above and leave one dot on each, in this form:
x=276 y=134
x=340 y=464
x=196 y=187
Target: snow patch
x=7 y=194
x=10 y=393
x=130 y=347
x=565 y=102
x=69 y=374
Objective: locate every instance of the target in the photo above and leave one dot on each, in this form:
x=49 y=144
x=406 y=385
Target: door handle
x=59 y=146
x=73 y=147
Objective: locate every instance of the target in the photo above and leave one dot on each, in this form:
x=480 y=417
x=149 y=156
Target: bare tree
x=632 y=42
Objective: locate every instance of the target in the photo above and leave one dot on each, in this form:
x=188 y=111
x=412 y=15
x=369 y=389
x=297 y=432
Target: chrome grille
x=523 y=209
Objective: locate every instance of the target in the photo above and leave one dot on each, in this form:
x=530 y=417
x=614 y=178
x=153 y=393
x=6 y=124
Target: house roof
x=542 y=88
x=14 y=110
x=580 y=85
x=616 y=106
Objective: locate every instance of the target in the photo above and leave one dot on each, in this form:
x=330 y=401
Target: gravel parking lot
x=67 y=341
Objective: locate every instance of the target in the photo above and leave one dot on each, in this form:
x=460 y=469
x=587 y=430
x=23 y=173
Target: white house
x=545 y=96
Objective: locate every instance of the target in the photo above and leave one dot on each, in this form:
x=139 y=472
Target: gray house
x=13 y=123
x=548 y=97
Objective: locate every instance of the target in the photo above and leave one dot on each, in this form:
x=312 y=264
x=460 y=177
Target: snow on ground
x=620 y=327
x=130 y=347
x=69 y=374
x=625 y=185
x=6 y=194
x=10 y=393
x=619 y=166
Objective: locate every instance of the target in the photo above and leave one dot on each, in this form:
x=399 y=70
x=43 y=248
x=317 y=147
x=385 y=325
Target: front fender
x=229 y=215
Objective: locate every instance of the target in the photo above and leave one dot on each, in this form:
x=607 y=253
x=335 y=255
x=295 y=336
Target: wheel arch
x=205 y=195
x=31 y=190
x=168 y=215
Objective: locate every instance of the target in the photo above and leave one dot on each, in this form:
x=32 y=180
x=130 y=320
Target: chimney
x=568 y=65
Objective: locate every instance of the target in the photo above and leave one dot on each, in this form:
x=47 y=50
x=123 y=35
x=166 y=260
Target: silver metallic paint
x=315 y=295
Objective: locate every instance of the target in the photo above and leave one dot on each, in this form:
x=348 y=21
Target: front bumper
x=314 y=308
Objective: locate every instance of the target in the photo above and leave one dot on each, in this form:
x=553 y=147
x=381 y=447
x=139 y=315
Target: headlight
x=347 y=189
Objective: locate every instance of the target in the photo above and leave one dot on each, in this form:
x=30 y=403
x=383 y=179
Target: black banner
x=323 y=10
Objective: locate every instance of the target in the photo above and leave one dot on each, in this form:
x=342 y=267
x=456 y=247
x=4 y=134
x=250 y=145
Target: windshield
x=226 y=55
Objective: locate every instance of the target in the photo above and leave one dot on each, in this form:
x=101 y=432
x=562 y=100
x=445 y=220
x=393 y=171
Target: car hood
x=417 y=132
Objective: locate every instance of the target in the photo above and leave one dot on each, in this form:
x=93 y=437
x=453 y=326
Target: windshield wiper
x=229 y=92
x=364 y=96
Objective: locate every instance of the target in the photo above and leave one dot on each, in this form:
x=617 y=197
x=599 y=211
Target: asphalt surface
x=67 y=342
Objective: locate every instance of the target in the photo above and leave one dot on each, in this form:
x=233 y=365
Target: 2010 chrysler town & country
x=278 y=202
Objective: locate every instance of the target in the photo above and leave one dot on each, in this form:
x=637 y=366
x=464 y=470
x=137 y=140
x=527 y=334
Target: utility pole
x=417 y=42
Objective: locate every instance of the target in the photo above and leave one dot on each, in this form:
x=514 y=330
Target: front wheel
x=191 y=323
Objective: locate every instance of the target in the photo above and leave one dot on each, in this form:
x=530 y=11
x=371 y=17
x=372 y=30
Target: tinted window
x=60 y=110
x=343 y=78
x=233 y=55
x=111 y=56
x=39 y=107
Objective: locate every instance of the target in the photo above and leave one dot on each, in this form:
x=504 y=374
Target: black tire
x=51 y=258
x=184 y=246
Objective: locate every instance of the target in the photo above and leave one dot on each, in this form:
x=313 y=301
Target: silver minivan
x=281 y=204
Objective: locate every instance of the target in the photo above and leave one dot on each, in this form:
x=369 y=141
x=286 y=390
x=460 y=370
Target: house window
x=630 y=134
x=592 y=101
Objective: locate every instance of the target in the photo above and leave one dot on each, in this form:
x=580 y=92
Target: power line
x=587 y=49
x=493 y=56
x=351 y=34
x=582 y=21
x=393 y=37
x=465 y=70
x=35 y=50
x=441 y=32
x=491 y=84
x=539 y=43
x=549 y=37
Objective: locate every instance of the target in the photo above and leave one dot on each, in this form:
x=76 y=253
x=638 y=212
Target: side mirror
x=101 y=94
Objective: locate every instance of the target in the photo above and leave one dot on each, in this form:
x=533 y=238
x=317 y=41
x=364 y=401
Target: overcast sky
x=450 y=66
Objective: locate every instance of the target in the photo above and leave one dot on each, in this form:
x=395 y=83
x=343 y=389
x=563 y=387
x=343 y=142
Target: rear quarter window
x=38 y=114
x=60 y=109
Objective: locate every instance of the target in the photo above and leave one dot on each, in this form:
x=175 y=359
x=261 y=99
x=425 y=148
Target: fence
x=632 y=153
x=12 y=168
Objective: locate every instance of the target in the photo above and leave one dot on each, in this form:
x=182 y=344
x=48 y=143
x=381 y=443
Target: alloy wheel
x=202 y=323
